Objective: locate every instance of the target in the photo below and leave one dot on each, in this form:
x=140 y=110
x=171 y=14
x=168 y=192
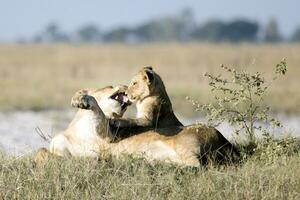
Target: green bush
x=239 y=100
x=269 y=150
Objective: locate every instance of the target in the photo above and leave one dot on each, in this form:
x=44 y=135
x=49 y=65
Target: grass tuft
x=132 y=178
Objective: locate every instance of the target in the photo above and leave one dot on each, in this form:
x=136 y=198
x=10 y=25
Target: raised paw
x=83 y=101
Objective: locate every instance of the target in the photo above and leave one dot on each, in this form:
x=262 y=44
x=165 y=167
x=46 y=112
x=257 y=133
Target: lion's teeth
x=125 y=99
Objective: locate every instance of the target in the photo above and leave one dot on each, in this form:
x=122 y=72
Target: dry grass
x=46 y=76
x=136 y=179
x=43 y=76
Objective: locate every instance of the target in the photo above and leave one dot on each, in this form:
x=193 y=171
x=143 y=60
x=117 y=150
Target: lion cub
x=154 y=108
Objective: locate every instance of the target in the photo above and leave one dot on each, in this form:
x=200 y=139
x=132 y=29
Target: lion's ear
x=149 y=74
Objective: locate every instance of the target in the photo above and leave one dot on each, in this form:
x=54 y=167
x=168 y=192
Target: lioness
x=187 y=147
x=81 y=137
x=154 y=108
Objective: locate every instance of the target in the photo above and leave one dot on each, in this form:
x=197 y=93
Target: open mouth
x=122 y=98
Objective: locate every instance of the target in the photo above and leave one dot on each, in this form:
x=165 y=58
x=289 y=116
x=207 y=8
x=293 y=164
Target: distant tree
x=37 y=39
x=165 y=29
x=52 y=29
x=188 y=24
x=296 y=35
x=55 y=34
x=240 y=30
x=118 y=35
x=272 y=32
x=89 y=33
x=174 y=28
x=52 y=33
x=211 y=31
x=235 y=31
x=181 y=27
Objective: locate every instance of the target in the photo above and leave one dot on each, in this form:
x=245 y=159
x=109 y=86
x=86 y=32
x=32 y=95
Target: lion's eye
x=134 y=83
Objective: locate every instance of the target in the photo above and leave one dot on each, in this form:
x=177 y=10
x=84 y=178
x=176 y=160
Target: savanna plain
x=39 y=78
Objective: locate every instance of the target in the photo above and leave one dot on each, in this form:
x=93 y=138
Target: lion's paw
x=83 y=101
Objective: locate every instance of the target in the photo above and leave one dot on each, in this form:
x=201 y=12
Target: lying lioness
x=89 y=134
x=81 y=138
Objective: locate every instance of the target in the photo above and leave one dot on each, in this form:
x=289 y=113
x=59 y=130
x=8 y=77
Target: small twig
x=45 y=137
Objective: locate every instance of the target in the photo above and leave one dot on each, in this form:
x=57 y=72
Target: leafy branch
x=239 y=98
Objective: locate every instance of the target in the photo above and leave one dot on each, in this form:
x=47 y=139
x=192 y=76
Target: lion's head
x=145 y=83
x=113 y=101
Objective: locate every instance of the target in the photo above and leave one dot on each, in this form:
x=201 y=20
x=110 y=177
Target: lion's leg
x=84 y=101
x=131 y=123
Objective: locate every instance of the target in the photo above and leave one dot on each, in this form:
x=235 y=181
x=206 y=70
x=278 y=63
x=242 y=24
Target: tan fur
x=186 y=146
x=190 y=146
x=81 y=137
x=154 y=108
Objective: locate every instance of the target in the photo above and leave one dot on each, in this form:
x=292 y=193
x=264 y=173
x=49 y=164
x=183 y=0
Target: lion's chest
x=145 y=107
x=86 y=127
x=140 y=111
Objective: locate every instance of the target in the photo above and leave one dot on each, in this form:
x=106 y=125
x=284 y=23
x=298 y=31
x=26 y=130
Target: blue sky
x=23 y=18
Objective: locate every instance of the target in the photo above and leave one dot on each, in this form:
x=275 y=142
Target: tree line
x=182 y=27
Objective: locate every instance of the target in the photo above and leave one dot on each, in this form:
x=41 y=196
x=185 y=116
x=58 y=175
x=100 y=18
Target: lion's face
x=113 y=101
x=140 y=85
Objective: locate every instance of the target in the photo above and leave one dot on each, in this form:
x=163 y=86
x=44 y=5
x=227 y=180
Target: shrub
x=239 y=100
x=269 y=150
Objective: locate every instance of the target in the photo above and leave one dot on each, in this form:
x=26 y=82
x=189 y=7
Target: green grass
x=130 y=178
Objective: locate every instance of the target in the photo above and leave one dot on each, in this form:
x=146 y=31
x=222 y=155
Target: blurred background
x=51 y=49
